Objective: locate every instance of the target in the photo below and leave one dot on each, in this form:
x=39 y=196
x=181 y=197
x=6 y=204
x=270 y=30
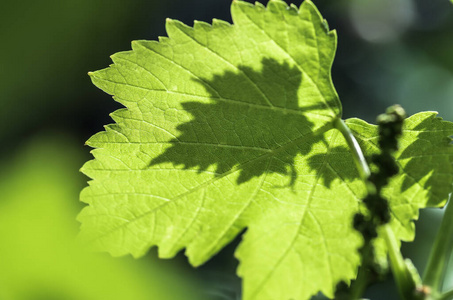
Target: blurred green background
x=389 y=51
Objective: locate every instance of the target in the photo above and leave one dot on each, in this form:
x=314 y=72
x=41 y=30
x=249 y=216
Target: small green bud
x=365 y=226
x=378 y=180
x=386 y=164
x=397 y=111
x=386 y=119
x=379 y=207
x=390 y=128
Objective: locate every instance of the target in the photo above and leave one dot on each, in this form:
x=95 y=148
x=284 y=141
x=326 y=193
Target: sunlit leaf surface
x=229 y=127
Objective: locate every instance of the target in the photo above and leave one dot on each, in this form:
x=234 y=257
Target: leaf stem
x=359 y=158
x=359 y=286
x=440 y=253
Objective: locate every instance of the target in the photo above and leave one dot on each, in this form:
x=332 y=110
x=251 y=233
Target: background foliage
x=389 y=52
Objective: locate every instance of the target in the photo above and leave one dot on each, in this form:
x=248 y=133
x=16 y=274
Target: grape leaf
x=425 y=159
x=229 y=127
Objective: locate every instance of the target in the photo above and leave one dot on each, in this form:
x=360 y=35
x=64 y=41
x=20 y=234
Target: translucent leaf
x=425 y=159
x=227 y=128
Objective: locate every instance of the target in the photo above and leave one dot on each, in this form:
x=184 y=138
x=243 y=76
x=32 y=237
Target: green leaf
x=227 y=128
x=425 y=159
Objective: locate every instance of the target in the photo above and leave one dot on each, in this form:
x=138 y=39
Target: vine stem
x=403 y=279
x=360 y=284
x=446 y=296
x=440 y=253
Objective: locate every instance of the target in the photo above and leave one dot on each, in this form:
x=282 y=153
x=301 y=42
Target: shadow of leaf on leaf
x=253 y=125
x=427 y=160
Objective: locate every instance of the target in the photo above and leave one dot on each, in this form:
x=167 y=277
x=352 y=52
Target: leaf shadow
x=427 y=161
x=336 y=159
x=253 y=124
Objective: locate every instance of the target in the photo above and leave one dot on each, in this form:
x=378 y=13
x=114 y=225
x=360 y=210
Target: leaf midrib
x=306 y=210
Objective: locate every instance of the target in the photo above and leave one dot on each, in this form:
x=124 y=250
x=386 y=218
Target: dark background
x=389 y=51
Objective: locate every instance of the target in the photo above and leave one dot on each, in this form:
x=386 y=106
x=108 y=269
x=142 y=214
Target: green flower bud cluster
x=390 y=129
